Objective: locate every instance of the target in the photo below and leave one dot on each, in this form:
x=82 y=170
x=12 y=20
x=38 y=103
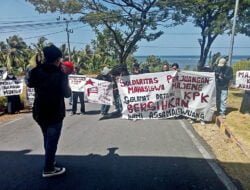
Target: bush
x=3 y=102
x=241 y=65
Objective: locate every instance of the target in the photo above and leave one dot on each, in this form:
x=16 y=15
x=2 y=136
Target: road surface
x=109 y=154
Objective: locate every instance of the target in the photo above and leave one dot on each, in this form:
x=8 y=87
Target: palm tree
x=41 y=43
x=17 y=54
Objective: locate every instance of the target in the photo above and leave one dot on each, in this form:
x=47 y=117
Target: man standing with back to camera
x=51 y=87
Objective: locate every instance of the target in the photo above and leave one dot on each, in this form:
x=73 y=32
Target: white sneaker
x=55 y=172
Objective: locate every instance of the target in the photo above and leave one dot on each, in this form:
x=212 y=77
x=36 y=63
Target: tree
x=41 y=43
x=15 y=54
x=126 y=21
x=213 y=17
x=3 y=54
x=154 y=63
x=244 y=18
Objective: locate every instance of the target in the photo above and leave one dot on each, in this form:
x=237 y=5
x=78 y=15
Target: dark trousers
x=51 y=135
x=104 y=109
x=13 y=104
x=75 y=99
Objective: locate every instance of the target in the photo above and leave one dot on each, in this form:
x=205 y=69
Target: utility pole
x=68 y=31
x=233 y=32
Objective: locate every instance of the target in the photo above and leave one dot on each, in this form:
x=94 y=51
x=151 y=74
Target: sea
x=188 y=61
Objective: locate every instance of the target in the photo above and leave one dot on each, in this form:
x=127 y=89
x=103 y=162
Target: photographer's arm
x=66 y=90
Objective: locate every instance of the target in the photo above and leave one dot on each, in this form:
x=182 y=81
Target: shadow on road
x=93 y=112
x=111 y=115
x=21 y=170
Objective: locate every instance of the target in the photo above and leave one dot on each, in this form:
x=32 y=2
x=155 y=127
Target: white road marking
x=217 y=170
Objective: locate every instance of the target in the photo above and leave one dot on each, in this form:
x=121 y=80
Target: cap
x=68 y=64
x=222 y=62
x=105 y=71
x=52 y=53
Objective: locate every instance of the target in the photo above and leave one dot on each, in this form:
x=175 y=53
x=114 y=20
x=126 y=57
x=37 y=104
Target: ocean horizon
x=187 y=60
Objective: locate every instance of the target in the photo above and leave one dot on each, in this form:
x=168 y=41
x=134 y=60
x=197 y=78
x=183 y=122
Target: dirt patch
x=229 y=155
x=10 y=117
x=6 y=118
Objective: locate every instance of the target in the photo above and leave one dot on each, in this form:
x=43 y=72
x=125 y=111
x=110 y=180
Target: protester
x=136 y=69
x=116 y=72
x=51 y=87
x=38 y=61
x=13 y=102
x=145 y=69
x=223 y=75
x=245 y=104
x=175 y=66
x=105 y=75
x=165 y=67
x=75 y=96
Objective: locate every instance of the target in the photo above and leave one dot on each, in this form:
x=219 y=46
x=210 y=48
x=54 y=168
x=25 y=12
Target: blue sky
x=180 y=40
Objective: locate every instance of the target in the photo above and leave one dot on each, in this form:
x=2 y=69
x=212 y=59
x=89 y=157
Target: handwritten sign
x=77 y=82
x=11 y=87
x=168 y=94
x=3 y=73
x=30 y=95
x=99 y=91
x=243 y=80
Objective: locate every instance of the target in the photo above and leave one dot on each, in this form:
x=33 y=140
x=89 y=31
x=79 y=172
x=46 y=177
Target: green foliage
x=213 y=17
x=3 y=101
x=122 y=23
x=241 y=65
x=187 y=68
x=244 y=18
x=130 y=61
x=15 y=54
x=154 y=63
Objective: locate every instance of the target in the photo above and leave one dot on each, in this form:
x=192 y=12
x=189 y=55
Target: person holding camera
x=51 y=87
x=223 y=76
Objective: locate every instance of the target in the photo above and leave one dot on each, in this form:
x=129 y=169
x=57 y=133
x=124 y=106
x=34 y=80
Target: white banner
x=11 y=87
x=3 y=73
x=30 y=95
x=168 y=94
x=243 y=80
x=77 y=82
x=99 y=91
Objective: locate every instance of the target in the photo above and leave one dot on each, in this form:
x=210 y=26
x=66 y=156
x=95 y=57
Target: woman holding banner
x=105 y=75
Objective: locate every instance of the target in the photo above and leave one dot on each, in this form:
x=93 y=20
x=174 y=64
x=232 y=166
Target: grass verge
x=229 y=155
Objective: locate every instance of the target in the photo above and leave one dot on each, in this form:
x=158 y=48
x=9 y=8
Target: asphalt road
x=109 y=154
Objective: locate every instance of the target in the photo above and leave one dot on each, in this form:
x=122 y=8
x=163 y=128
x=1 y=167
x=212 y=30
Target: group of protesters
x=223 y=76
x=51 y=86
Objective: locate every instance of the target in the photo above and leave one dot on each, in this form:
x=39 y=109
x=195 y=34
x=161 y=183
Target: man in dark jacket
x=51 y=87
x=223 y=75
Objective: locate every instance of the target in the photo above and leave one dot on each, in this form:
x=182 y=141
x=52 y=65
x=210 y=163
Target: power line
x=23 y=22
x=37 y=28
x=51 y=33
x=77 y=20
x=43 y=35
x=37 y=24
